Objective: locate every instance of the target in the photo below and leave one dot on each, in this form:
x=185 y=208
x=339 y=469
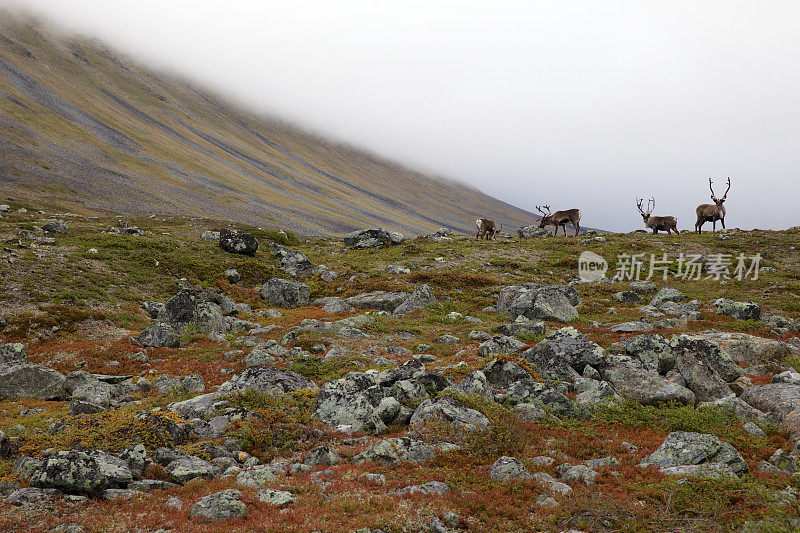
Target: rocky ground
x=177 y=374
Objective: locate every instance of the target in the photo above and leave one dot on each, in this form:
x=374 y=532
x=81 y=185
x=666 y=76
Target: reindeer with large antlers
x=668 y=224
x=560 y=218
x=712 y=212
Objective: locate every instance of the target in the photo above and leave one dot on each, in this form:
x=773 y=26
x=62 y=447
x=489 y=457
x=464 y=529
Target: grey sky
x=575 y=104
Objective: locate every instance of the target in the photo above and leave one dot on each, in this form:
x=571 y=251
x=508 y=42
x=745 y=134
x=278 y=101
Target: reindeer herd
x=487 y=229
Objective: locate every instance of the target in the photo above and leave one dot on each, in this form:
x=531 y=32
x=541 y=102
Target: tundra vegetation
x=437 y=383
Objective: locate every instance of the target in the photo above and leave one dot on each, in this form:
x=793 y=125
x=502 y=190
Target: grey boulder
x=285 y=293
x=682 y=448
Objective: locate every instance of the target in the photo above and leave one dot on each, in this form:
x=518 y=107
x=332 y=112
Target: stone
x=372 y=238
x=256 y=477
x=635 y=326
x=378 y=300
x=294 y=263
x=79 y=472
x=508 y=469
x=682 y=448
x=779 y=398
x=237 y=242
x=642 y=287
x=322 y=455
x=447 y=339
x=632 y=380
x=551 y=484
x=536 y=301
x=739 y=310
x=397 y=449
x=431 y=488
x=668 y=294
x=27 y=380
x=56 y=226
x=529 y=232
x=566 y=346
x=448 y=410
x=398 y=269
x=577 y=474
x=232 y=275
x=334 y=305
x=32 y=496
x=628 y=297
x=501 y=344
x=278 y=498
x=268 y=379
x=419 y=299
x=284 y=293
x=13 y=353
x=475 y=383
x=516 y=329
x=223 y=505
x=189 y=467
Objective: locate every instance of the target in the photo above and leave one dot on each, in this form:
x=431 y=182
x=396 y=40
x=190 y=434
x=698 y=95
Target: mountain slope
x=86 y=129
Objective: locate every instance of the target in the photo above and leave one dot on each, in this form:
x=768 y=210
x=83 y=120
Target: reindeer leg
x=722 y=220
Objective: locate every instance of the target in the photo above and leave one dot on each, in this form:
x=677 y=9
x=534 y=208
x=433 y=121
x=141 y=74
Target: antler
x=639 y=204
x=712 y=190
x=539 y=208
x=726 y=190
x=650 y=209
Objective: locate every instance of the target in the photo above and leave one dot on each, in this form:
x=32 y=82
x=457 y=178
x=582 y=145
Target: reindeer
x=712 y=212
x=560 y=218
x=486 y=229
x=668 y=224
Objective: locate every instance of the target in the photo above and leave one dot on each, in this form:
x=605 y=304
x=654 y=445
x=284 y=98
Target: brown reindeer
x=560 y=218
x=712 y=212
x=486 y=229
x=668 y=224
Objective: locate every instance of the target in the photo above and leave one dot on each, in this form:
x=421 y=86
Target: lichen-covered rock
x=189 y=467
x=529 y=232
x=475 y=383
x=652 y=350
x=516 y=329
x=682 y=448
x=294 y=263
x=397 y=449
x=285 y=293
x=256 y=477
x=431 y=488
x=450 y=411
x=536 y=301
x=223 y=505
x=739 y=310
x=419 y=299
x=501 y=344
x=378 y=300
x=632 y=380
x=508 y=469
x=567 y=344
x=26 y=380
x=79 y=472
x=372 y=238
x=268 y=379
x=56 y=226
x=668 y=294
x=778 y=398
x=237 y=242
x=278 y=498
x=13 y=353
x=322 y=455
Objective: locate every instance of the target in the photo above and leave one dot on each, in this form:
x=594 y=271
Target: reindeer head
x=646 y=214
x=719 y=201
x=543 y=220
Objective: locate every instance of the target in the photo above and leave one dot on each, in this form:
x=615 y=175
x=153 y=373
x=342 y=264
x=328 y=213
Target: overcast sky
x=575 y=104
